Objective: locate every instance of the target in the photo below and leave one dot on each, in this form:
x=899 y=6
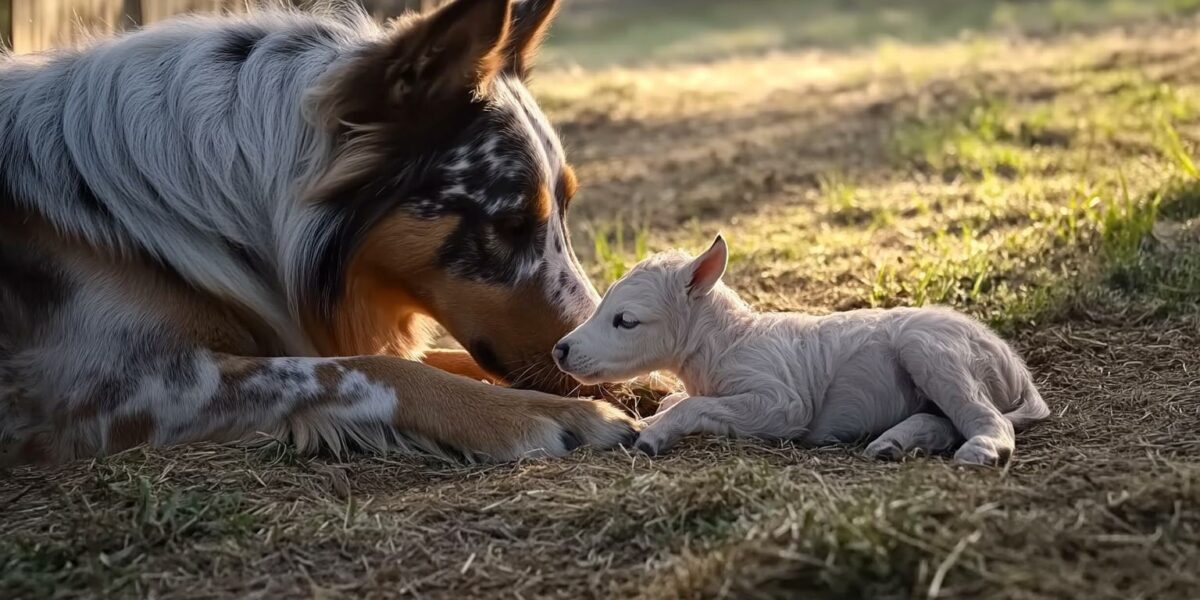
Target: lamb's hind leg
x=927 y=432
x=940 y=367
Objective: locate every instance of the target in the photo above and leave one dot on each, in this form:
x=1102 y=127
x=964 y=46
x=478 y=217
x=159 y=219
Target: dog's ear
x=706 y=270
x=531 y=20
x=429 y=63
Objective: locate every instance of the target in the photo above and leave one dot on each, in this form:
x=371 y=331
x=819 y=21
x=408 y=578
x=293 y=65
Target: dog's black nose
x=561 y=350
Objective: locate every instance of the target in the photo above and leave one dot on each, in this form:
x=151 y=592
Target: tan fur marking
x=570 y=183
x=543 y=203
x=329 y=376
x=458 y=362
x=520 y=324
x=381 y=310
x=207 y=321
x=395 y=286
x=230 y=399
x=468 y=414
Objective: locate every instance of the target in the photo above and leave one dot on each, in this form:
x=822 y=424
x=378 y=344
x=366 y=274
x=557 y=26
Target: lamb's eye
x=624 y=321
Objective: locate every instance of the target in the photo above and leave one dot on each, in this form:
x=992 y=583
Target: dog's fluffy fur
x=196 y=219
x=917 y=378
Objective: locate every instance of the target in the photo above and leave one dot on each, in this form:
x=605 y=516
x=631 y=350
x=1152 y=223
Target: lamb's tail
x=1032 y=409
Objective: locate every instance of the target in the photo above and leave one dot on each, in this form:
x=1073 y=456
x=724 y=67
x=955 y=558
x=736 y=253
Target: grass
x=594 y=35
x=613 y=254
x=1047 y=185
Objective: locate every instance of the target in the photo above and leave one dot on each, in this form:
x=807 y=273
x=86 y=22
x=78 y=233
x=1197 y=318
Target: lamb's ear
x=531 y=19
x=706 y=270
x=428 y=63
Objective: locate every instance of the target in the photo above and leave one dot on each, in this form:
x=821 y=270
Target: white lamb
x=918 y=378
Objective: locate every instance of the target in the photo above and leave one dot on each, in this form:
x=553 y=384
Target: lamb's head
x=643 y=322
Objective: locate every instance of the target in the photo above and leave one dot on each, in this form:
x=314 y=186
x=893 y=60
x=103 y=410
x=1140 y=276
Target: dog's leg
x=744 y=415
x=944 y=375
x=373 y=402
x=458 y=362
x=923 y=431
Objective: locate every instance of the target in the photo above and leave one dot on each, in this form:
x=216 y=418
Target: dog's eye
x=624 y=321
x=512 y=228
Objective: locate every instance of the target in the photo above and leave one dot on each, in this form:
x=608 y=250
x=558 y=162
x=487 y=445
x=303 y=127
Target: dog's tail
x=1032 y=409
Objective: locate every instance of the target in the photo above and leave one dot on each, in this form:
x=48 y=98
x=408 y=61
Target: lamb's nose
x=561 y=350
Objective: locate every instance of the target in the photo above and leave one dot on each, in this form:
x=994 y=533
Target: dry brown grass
x=1103 y=502
x=823 y=168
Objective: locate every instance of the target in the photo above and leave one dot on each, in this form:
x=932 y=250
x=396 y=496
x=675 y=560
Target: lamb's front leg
x=743 y=415
x=665 y=405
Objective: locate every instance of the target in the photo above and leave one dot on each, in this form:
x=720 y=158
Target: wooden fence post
x=33 y=25
x=41 y=24
x=132 y=14
x=5 y=24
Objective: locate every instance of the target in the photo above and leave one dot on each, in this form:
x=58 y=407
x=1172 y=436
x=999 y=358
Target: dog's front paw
x=985 y=451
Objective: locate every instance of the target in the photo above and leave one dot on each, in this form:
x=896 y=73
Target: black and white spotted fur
x=161 y=230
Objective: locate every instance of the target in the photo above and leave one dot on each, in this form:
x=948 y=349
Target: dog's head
x=643 y=323
x=450 y=190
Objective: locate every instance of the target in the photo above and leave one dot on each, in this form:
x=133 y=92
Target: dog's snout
x=561 y=351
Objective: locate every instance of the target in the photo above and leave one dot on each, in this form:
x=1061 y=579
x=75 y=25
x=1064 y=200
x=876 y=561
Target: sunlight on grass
x=1010 y=206
x=844 y=204
x=979 y=141
x=613 y=255
x=679 y=31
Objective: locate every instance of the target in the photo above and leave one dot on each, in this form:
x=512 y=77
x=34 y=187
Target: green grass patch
x=1102 y=238
x=1153 y=250
x=102 y=551
x=616 y=248
x=1181 y=201
x=35 y=569
x=984 y=138
x=846 y=205
x=631 y=32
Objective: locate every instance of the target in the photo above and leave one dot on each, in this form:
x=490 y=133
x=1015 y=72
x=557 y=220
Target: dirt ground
x=1044 y=184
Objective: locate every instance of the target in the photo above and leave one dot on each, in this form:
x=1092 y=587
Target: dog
x=223 y=226
x=921 y=379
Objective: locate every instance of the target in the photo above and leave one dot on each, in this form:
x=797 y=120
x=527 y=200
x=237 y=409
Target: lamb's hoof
x=647 y=449
x=984 y=452
x=885 y=449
